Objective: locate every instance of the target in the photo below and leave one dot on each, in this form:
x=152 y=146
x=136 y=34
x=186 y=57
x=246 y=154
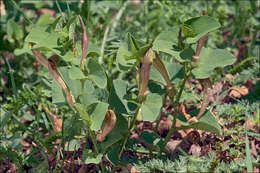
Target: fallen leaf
x=237 y=91
x=195 y=150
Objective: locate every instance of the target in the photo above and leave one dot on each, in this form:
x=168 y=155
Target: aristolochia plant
x=110 y=106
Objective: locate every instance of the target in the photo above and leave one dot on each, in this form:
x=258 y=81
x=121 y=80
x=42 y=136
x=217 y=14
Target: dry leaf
x=237 y=91
x=195 y=150
x=132 y=169
x=110 y=122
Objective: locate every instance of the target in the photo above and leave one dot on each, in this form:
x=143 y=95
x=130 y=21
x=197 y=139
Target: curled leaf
x=110 y=122
x=51 y=66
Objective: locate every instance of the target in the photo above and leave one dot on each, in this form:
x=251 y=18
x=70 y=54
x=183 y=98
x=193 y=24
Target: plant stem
x=132 y=123
x=176 y=103
x=11 y=71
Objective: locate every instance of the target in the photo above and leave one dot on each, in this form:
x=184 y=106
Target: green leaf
x=122 y=54
x=72 y=145
x=23 y=50
x=206 y=123
x=118 y=99
x=152 y=138
x=82 y=111
x=76 y=73
x=152 y=107
x=210 y=59
x=93 y=50
x=97 y=115
x=185 y=55
x=90 y=95
x=43 y=39
x=132 y=43
x=89 y=157
x=175 y=72
x=44 y=20
x=112 y=155
x=139 y=53
x=14 y=31
x=201 y=26
x=96 y=73
x=167 y=42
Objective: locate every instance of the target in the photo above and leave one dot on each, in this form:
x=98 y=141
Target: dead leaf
x=132 y=169
x=237 y=91
x=230 y=76
x=195 y=150
x=110 y=122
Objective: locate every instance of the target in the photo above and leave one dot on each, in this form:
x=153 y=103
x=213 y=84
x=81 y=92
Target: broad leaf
x=201 y=26
x=151 y=108
x=167 y=42
x=89 y=157
x=211 y=59
x=206 y=123
x=118 y=98
x=90 y=94
x=121 y=57
x=76 y=73
x=43 y=39
x=97 y=115
x=96 y=73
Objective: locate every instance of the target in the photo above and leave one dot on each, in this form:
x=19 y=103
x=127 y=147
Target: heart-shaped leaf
x=206 y=123
x=210 y=59
x=96 y=73
x=167 y=41
x=201 y=26
x=121 y=57
x=76 y=73
x=41 y=38
x=152 y=107
x=97 y=114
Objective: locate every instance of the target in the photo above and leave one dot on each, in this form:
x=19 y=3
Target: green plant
x=94 y=96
